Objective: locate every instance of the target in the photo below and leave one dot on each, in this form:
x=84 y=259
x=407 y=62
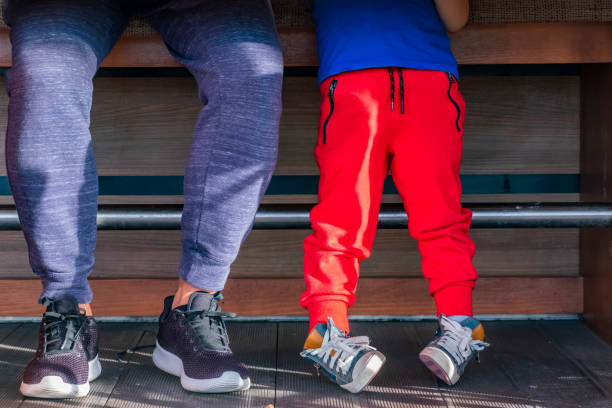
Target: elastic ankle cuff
x=318 y=312
x=454 y=300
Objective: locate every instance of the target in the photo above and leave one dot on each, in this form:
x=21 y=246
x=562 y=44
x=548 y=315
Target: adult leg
x=57 y=47
x=232 y=49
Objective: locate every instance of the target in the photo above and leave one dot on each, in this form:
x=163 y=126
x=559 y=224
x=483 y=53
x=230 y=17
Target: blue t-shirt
x=360 y=34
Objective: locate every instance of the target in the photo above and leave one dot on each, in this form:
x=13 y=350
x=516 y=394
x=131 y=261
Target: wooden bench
x=537 y=121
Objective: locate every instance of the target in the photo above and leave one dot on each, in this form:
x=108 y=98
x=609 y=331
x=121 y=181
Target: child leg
x=352 y=156
x=425 y=168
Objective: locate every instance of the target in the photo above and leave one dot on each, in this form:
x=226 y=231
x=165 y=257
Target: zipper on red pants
x=330 y=95
x=451 y=81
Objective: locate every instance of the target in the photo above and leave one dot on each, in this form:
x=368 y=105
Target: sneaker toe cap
x=213 y=364
x=70 y=367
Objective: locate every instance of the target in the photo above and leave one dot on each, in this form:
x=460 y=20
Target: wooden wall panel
x=513 y=125
x=531 y=43
x=519 y=43
x=596 y=244
x=312 y=199
x=279 y=297
x=467 y=198
x=142 y=126
x=278 y=254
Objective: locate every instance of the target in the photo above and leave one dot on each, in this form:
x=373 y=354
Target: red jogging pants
x=409 y=121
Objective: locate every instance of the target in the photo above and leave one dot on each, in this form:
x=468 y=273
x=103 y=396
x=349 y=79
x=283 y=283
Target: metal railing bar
x=392 y=216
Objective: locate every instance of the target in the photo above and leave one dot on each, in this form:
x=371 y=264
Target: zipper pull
x=451 y=78
x=332 y=88
x=318 y=368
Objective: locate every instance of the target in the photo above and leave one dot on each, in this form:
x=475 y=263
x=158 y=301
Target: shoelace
x=54 y=329
x=344 y=350
x=192 y=317
x=458 y=340
x=197 y=318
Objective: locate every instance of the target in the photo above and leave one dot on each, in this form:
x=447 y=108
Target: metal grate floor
x=530 y=364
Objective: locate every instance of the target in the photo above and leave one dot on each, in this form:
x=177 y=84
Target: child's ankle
x=454 y=300
x=318 y=312
x=184 y=292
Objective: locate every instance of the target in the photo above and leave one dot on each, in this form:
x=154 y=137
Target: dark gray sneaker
x=192 y=344
x=67 y=356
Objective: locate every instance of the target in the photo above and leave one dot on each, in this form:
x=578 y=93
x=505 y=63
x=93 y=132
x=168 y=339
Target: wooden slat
x=402 y=382
x=467 y=199
x=485 y=383
x=588 y=351
x=529 y=364
x=114 y=338
x=145 y=386
x=147 y=122
x=273 y=297
x=513 y=125
x=522 y=368
x=596 y=180
x=521 y=43
x=139 y=52
x=533 y=43
x=312 y=199
x=6 y=329
x=279 y=254
x=15 y=352
x=540 y=370
x=528 y=116
x=143 y=126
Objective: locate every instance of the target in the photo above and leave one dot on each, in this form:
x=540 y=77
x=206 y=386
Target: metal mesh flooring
x=530 y=364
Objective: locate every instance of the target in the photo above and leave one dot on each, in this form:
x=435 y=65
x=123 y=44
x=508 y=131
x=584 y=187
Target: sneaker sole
x=170 y=363
x=364 y=371
x=440 y=364
x=53 y=387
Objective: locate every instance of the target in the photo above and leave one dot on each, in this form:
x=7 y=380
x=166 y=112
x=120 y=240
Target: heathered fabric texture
x=179 y=338
x=231 y=48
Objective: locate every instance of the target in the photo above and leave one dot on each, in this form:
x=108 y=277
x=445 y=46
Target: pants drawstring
x=401 y=81
x=392 y=86
x=401 y=86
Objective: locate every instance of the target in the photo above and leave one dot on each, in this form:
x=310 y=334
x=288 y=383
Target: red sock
x=318 y=312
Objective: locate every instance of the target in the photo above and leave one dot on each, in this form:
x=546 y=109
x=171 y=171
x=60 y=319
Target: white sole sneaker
x=53 y=386
x=170 y=363
x=440 y=364
x=365 y=370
